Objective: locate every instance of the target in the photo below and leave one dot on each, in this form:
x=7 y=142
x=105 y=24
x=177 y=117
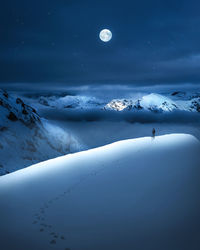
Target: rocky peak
x=14 y=109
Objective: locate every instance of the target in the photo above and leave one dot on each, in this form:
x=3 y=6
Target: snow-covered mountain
x=176 y=101
x=133 y=194
x=68 y=102
x=155 y=103
x=26 y=138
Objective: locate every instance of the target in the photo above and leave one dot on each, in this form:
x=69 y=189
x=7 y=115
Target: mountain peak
x=14 y=109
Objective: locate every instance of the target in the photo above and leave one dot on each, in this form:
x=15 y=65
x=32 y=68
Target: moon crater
x=105 y=35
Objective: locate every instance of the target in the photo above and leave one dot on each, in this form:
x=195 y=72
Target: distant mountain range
x=157 y=103
x=149 y=102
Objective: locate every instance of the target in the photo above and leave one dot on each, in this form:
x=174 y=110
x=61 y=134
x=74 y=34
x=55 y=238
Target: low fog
x=128 y=116
x=97 y=127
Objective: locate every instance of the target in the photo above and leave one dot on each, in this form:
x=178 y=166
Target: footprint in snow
x=40 y=216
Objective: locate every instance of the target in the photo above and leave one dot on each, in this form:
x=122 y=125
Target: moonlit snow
x=132 y=194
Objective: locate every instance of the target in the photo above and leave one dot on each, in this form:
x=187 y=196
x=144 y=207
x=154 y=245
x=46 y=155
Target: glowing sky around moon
x=105 y=35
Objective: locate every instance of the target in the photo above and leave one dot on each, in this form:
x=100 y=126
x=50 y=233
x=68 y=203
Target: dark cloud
x=154 y=41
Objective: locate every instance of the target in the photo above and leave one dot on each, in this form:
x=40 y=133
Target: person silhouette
x=153 y=132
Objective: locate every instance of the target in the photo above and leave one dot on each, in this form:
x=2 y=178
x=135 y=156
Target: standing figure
x=153 y=132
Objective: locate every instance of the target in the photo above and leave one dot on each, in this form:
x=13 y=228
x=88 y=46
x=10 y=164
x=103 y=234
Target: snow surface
x=133 y=194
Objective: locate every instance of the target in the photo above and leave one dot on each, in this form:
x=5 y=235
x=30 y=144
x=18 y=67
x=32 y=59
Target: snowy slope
x=133 y=194
x=26 y=138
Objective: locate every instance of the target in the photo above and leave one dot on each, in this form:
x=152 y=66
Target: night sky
x=57 y=41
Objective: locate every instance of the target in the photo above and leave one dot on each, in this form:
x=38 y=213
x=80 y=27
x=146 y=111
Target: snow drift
x=133 y=194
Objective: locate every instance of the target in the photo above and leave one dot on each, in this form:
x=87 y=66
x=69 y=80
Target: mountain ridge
x=27 y=138
x=153 y=102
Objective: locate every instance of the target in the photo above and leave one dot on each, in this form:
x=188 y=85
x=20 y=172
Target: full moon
x=105 y=35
